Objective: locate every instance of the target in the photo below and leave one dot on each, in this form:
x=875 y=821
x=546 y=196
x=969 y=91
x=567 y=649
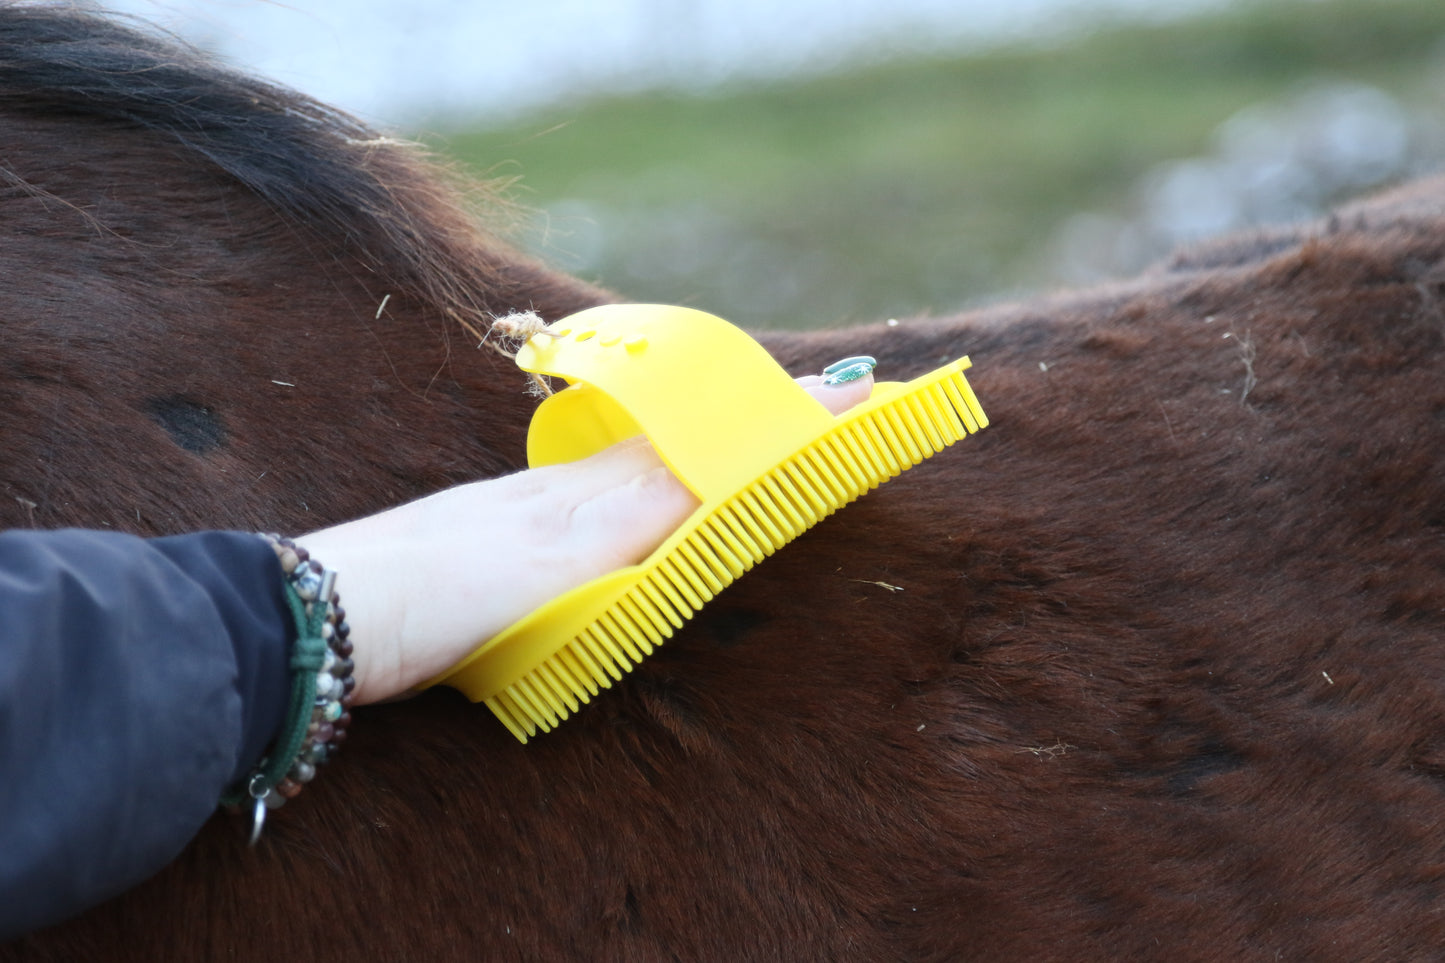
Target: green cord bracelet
x=317 y=713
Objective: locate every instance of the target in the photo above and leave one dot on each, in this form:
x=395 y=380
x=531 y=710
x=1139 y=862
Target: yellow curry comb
x=766 y=460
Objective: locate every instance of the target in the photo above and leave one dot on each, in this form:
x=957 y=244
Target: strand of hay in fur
x=508 y=333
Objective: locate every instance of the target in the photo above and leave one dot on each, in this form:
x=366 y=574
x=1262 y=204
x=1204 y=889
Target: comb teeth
x=845 y=462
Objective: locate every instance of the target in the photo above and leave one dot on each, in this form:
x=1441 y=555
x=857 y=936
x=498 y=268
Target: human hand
x=425 y=583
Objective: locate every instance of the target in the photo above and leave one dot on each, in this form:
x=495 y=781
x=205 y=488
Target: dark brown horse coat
x=1153 y=668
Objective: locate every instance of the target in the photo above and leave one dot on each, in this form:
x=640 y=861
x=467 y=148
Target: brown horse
x=1153 y=668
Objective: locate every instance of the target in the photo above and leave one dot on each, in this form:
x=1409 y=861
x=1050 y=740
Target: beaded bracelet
x=321 y=684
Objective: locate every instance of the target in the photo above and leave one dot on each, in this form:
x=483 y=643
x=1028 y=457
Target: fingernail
x=859 y=369
x=849 y=362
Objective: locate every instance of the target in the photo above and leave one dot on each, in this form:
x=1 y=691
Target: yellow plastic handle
x=714 y=403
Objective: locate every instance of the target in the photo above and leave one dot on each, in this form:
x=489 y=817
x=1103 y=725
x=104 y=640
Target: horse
x=1152 y=668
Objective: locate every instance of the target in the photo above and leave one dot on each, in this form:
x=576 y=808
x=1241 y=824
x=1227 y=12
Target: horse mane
x=150 y=195
x=400 y=212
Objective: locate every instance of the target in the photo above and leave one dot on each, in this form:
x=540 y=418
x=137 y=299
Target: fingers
x=624 y=524
x=615 y=465
x=839 y=397
x=633 y=503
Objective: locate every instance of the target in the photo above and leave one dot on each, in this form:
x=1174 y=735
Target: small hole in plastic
x=586 y=335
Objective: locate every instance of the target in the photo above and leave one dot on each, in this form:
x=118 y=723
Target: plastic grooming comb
x=764 y=457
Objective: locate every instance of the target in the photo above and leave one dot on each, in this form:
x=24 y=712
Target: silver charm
x=258 y=812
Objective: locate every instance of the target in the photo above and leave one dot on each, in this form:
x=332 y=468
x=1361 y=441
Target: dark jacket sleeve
x=138 y=679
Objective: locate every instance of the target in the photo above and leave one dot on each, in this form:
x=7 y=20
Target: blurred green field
x=923 y=185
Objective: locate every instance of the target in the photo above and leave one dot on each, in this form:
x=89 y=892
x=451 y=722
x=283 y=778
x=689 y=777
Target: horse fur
x=1152 y=668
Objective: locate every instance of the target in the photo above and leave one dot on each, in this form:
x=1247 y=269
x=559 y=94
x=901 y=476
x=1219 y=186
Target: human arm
x=138 y=678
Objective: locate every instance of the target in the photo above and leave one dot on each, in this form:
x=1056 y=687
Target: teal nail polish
x=849 y=362
x=852 y=372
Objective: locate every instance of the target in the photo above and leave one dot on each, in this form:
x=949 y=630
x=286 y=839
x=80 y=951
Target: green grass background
x=920 y=185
